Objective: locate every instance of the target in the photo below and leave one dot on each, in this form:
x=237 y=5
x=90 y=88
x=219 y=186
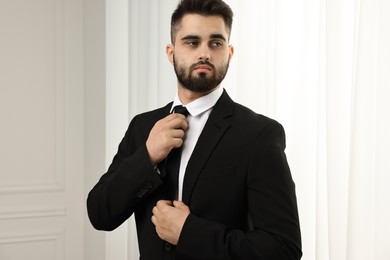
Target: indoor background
x=74 y=72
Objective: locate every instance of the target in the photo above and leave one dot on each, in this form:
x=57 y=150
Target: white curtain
x=319 y=67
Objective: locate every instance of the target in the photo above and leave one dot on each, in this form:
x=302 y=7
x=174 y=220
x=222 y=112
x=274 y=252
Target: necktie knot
x=180 y=110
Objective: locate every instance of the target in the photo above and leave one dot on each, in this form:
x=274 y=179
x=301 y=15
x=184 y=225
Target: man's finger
x=154 y=221
x=163 y=203
x=178 y=204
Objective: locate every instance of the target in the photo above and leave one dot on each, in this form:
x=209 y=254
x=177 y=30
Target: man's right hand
x=166 y=134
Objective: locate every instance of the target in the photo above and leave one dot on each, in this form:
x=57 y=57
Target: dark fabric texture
x=237 y=185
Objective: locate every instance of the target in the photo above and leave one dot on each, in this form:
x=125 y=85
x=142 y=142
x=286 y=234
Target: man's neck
x=187 y=96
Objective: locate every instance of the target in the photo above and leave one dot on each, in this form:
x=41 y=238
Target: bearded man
x=206 y=178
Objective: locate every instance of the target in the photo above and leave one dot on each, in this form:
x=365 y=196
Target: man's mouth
x=203 y=68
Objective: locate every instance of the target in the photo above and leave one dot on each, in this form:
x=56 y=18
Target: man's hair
x=202 y=7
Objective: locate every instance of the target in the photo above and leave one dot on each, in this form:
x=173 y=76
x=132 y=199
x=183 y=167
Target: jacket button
x=167 y=247
x=140 y=194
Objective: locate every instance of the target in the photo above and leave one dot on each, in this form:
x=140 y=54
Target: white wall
x=94 y=113
x=42 y=130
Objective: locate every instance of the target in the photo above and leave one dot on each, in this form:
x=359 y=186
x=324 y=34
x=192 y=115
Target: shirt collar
x=202 y=104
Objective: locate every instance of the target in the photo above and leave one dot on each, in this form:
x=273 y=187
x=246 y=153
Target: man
x=232 y=197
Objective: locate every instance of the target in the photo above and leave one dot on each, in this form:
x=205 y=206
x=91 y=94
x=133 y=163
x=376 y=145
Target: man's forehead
x=202 y=26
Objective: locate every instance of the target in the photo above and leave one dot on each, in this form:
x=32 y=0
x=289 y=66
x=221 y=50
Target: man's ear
x=170 y=50
x=231 y=52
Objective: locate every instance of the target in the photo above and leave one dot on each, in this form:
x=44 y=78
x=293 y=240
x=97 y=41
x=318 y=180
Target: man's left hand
x=168 y=218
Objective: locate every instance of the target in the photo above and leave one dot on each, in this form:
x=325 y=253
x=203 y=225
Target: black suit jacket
x=237 y=184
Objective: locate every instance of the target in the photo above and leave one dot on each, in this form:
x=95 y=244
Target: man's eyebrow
x=197 y=37
x=190 y=37
x=217 y=36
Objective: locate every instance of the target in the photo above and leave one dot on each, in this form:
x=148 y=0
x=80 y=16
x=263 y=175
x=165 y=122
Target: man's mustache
x=193 y=66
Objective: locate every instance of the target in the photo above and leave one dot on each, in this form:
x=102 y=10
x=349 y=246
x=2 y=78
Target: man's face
x=200 y=53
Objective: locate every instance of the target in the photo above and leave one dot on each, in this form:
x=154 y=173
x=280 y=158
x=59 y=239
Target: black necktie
x=180 y=110
x=173 y=162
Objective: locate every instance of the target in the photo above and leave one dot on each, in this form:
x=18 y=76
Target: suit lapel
x=215 y=128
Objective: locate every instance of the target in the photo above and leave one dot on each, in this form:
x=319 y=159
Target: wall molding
x=23 y=213
x=56 y=180
x=33 y=188
x=58 y=237
x=32 y=237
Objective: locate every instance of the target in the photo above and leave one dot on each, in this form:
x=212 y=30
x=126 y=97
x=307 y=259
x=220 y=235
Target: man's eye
x=216 y=44
x=192 y=43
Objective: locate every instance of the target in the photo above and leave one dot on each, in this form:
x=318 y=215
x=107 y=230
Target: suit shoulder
x=247 y=115
x=259 y=127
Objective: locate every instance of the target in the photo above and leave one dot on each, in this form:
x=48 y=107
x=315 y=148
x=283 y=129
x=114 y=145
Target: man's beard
x=200 y=83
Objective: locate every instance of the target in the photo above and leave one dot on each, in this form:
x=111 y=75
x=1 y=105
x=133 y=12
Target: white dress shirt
x=199 y=111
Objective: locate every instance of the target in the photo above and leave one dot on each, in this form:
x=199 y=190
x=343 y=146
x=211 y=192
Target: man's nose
x=204 y=53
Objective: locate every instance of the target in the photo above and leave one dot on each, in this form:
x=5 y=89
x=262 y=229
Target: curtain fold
x=368 y=174
x=321 y=68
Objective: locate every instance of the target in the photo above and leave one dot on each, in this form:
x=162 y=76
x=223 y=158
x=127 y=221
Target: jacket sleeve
x=273 y=230
x=129 y=179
